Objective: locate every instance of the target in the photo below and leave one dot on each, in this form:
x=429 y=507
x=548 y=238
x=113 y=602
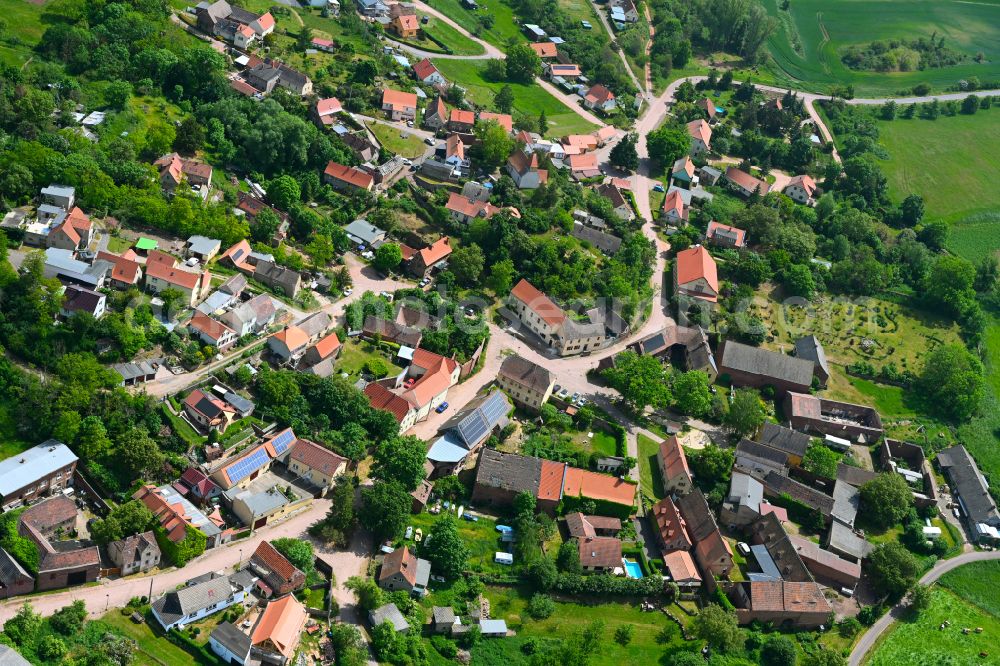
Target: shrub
x=541 y=606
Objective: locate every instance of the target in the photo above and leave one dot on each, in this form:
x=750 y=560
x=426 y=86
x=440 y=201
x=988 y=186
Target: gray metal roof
x=769 y=570
x=231 y=638
x=28 y=466
x=241 y=404
x=11 y=657
x=846 y=501
x=363 y=231
x=423 y=572
x=746 y=490
x=265 y=503
x=215 y=301
x=389 y=613
x=204 y=244
x=58 y=191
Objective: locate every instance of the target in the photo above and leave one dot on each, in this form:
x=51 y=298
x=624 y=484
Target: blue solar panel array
x=283 y=441
x=483 y=419
x=250 y=464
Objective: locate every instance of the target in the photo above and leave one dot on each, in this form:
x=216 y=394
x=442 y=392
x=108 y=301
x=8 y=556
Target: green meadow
x=812 y=34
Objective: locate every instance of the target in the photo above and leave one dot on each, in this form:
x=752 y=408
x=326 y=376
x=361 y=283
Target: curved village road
x=871 y=636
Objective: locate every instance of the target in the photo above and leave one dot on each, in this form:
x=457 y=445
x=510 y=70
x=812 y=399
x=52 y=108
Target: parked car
x=658 y=188
x=441 y=408
x=429 y=141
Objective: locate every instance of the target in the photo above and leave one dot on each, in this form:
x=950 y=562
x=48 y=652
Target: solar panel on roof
x=237 y=254
x=495 y=408
x=283 y=441
x=472 y=428
x=247 y=466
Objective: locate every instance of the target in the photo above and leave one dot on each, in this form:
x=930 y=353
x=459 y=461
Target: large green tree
x=892 y=568
x=746 y=413
x=522 y=63
x=401 y=459
x=385 y=509
x=886 y=499
x=445 y=549
x=387 y=257
x=641 y=379
x=667 y=144
x=692 y=395
x=719 y=628
x=952 y=383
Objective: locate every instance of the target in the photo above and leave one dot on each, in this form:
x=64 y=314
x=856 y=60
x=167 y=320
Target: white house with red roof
x=801 y=189
x=701 y=136
x=162 y=273
x=547 y=320
x=674 y=211
x=696 y=275
x=425 y=72
x=125 y=272
x=399 y=105
x=745 y=184
x=599 y=98
x=422 y=260
x=209 y=412
x=346 y=178
x=212 y=332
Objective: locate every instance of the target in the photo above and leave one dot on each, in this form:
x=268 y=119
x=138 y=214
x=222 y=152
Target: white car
x=407 y=162
x=348 y=291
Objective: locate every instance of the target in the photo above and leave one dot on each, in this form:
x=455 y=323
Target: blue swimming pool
x=632 y=568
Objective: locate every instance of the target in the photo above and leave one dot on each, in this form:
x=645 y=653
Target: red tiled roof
x=424 y=69
x=171 y=275
x=694 y=263
x=503 y=119
x=124 y=269
x=266 y=21
x=317 y=457
x=602 y=552
x=670 y=523
x=238 y=254
x=714 y=227
x=327 y=345
x=428 y=360
x=293 y=337
x=268 y=555
x=400 y=561
x=805 y=181
x=672 y=454
x=538 y=303
x=599 y=94
x=551 y=480
x=379 y=397
x=214 y=329
x=322 y=43
x=349 y=175
x=746 y=181
x=470 y=207
x=433 y=383
x=674 y=202
x=591 y=485
x=242 y=87
x=399 y=98
x=681 y=566
x=436 y=251
x=586 y=163
x=700 y=129
x=706 y=105
x=462 y=116
x=522 y=162
x=330 y=105
x=544 y=49
x=407 y=22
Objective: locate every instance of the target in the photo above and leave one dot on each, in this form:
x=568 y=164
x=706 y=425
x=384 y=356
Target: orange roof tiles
x=292 y=336
x=398 y=98
x=551 y=481
x=544 y=49
x=281 y=624
x=672 y=455
x=349 y=175
x=700 y=129
x=503 y=119
x=538 y=303
x=269 y=556
x=681 y=566
x=696 y=263
x=327 y=345
x=214 y=329
x=379 y=397
x=330 y=105
x=125 y=270
x=424 y=69
x=584 y=483
x=462 y=116
x=436 y=251
x=171 y=275
x=317 y=457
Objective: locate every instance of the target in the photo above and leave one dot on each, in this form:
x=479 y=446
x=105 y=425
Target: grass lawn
x=529 y=100
x=650 y=478
x=118 y=245
x=481 y=537
x=961 y=188
x=354 y=354
x=504 y=26
x=447 y=35
x=154 y=649
x=807 y=47
x=967 y=598
x=398 y=140
x=183 y=429
x=568 y=620
x=901 y=418
x=602 y=442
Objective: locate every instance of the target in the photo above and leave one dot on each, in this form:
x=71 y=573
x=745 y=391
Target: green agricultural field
x=398 y=140
x=812 y=34
x=529 y=100
x=960 y=186
x=967 y=598
x=503 y=29
x=24 y=23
